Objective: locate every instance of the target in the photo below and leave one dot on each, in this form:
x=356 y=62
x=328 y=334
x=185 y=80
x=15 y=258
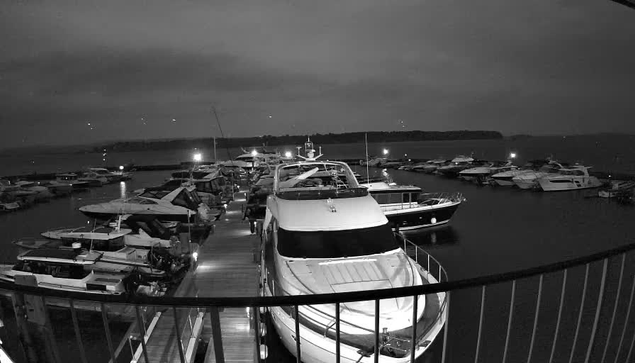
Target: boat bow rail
x=574 y=310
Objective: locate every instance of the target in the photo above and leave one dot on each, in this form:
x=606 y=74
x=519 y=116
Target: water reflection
x=122 y=190
x=443 y=235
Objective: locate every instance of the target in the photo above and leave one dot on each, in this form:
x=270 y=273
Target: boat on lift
x=181 y=204
x=455 y=166
x=408 y=208
x=572 y=178
x=326 y=234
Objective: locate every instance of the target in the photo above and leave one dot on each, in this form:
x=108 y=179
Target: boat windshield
x=335 y=244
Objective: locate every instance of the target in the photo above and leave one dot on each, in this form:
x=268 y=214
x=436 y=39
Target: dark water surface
x=496 y=230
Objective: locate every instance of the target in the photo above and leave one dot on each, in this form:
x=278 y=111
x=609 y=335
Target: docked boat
x=107 y=174
x=139 y=231
x=573 y=178
x=318 y=242
x=42 y=193
x=529 y=180
x=408 y=208
x=481 y=174
x=505 y=178
x=429 y=166
x=181 y=204
x=72 y=179
x=66 y=270
x=616 y=188
x=455 y=166
x=93 y=179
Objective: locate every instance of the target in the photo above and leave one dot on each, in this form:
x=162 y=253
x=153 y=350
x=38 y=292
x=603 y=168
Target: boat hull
x=183 y=218
x=421 y=217
x=556 y=185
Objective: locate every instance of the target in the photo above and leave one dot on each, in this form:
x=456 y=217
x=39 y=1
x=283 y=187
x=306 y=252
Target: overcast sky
x=81 y=71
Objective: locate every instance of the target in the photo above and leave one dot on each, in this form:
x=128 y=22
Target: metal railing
x=577 y=310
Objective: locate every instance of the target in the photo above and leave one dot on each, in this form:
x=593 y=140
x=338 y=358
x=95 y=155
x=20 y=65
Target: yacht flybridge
x=573 y=178
x=181 y=204
x=326 y=234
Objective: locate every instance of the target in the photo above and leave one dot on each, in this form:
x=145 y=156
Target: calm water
x=495 y=230
x=614 y=153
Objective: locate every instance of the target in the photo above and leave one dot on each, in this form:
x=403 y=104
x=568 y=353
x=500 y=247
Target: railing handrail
x=324 y=298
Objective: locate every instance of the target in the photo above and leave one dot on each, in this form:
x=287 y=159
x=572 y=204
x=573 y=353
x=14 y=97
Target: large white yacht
x=181 y=204
x=573 y=178
x=505 y=178
x=324 y=234
x=529 y=180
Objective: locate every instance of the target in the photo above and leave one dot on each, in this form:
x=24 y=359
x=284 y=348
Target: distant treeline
x=321 y=139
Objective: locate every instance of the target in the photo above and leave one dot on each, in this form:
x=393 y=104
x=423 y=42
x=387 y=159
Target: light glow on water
x=122 y=189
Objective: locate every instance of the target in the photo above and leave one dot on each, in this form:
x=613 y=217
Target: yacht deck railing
x=578 y=310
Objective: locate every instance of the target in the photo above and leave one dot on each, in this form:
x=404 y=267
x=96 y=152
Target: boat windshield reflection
x=444 y=235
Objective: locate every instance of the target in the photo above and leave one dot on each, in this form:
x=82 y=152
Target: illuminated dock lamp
x=512 y=155
x=385 y=151
x=197 y=157
x=120 y=167
x=287 y=154
x=254 y=153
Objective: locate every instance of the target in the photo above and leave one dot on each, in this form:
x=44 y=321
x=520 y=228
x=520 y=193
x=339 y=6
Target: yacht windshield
x=335 y=244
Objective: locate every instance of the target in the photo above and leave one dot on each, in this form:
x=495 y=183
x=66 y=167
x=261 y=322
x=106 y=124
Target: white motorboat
x=456 y=165
x=326 y=234
x=505 y=178
x=71 y=179
x=93 y=179
x=66 y=270
x=408 y=208
x=529 y=180
x=42 y=193
x=616 y=188
x=107 y=174
x=481 y=174
x=139 y=231
x=181 y=204
x=573 y=178
x=429 y=166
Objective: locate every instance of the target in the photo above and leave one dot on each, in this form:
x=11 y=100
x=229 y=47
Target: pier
x=226 y=267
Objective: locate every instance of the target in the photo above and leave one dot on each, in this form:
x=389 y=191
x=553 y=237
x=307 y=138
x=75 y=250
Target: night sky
x=83 y=71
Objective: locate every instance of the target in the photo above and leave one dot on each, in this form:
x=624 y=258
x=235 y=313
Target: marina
x=220 y=294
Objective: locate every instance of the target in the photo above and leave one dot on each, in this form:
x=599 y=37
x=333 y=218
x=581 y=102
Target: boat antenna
x=366 y=144
x=221 y=131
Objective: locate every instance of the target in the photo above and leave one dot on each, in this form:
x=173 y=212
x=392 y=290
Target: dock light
x=385 y=151
x=121 y=167
x=254 y=153
x=195 y=256
x=197 y=157
x=512 y=155
x=287 y=154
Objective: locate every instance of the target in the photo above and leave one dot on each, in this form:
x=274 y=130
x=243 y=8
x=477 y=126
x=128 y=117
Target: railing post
x=628 y=314
x=142 y=328
x=415 y=302
x=577 y=328
x=297 y=334
x=78 y=335
x=617 y=298
x=376 y=357
x=597 y=310
x=555 y=334
x=445 y=328
x=480 y=324
x=509 y=321
x=533 y=331
x=217 y=335
x=337 y=333
x=177 y=330
x=104 y=318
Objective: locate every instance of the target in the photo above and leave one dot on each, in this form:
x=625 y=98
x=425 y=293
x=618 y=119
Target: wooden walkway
x=226 y=267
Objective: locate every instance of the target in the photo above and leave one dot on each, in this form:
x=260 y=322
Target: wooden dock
x=226 y=266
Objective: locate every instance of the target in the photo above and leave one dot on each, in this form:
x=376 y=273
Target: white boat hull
x=548 y=185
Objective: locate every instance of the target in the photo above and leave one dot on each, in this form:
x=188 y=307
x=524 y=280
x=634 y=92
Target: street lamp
x=197 y=157
x=120 y=167
x=385 y=151
x=287 y=154
x=512 y=155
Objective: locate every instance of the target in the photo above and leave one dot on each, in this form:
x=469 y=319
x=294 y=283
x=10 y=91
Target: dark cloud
x=514 y=66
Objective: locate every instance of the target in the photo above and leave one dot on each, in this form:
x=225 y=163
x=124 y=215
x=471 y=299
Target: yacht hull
x=183 y=218
x=556 y=185
x=421 y=217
